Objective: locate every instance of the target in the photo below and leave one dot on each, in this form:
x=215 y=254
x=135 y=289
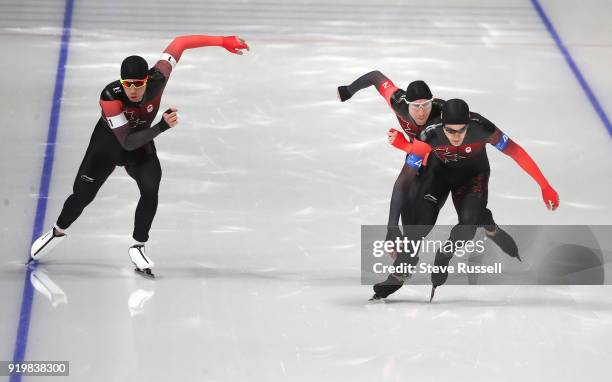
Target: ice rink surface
x=268 y=178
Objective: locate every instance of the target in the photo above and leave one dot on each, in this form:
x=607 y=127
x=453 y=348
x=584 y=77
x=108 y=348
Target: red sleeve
x=113 y=113
x=179 y=44
x=172 y=53
x=386 y=89
x=523 y=159
x=111 y=108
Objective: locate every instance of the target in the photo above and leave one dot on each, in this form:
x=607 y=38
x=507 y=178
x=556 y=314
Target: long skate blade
x=519 y=257
x=433 y=291
x=376 y=298
x=145 y=273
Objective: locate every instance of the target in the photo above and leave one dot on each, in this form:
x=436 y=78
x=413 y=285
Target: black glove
x=343 y=93
x=163 y=126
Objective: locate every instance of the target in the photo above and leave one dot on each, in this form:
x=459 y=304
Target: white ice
x=268 y=178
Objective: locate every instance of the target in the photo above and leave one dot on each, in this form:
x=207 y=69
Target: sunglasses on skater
x=426 y=105
x=135 y=83
x=453 y=131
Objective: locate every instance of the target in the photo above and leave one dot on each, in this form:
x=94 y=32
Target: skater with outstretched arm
x=124 y=137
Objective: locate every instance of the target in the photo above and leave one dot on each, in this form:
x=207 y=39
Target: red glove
x=399 y=141
x=418 y=148
x=551 y=198
x=234 y=44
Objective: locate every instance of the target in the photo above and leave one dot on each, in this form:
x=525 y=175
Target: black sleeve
x=136 y=139
x=488 y=126
x=375 y=78
x=128 y=138
x=131 y=140
x=156 y=84
x=429 y=133
x=112 y=92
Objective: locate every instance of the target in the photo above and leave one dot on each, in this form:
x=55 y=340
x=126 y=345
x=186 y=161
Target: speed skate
x=45 y=243
x=142 y=263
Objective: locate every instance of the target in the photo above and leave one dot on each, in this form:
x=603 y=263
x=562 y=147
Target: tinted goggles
x=135 y=83
x=455 y=131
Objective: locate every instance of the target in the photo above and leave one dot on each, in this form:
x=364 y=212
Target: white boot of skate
x=44 y=244
x=141 y=261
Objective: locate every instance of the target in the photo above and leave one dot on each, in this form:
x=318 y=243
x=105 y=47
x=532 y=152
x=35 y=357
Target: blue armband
x=414 y=161
x=502 y=143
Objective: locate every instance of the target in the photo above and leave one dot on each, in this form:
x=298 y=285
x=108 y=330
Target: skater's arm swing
x=395 y=97
x=418 y=150
x=127 y=137
x=172 y=53
x=524 y=160
x=375 y=78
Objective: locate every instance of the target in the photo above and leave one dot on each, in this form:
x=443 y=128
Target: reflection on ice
x=44 y=284
x=516 y=197
x=193 y=160
x=138 y=299
x=586 y=206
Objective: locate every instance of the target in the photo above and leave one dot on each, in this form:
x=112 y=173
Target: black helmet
x=418 y=90
x=455 y=112
x=134 y=68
